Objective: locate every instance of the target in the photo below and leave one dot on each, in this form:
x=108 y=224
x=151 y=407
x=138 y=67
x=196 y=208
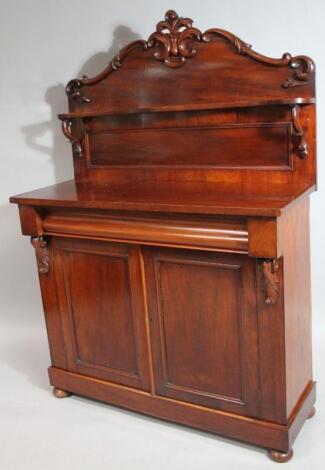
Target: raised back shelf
x=192 y=107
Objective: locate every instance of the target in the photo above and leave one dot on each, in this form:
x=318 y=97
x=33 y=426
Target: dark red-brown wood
x=102 y=310
x=175 y=267
x=203 y=316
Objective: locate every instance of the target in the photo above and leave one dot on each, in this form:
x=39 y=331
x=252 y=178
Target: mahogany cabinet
x=175 y=267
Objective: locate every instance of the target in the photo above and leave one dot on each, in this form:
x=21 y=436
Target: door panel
x=102 y=311
x=203 y=315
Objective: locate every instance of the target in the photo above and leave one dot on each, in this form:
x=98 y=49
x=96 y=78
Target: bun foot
x=312 y=413
x=280 y=457
x=59 y=393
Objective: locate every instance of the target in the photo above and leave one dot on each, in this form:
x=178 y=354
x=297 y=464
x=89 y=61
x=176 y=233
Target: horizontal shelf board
x=188 y=107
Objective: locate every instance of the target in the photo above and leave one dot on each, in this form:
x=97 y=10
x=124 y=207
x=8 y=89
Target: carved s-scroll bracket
x=271 y=283
x=42 y=254
x=300 y=144
x=76 y=141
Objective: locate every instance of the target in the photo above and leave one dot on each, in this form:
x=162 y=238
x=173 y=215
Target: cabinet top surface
x=143 y=197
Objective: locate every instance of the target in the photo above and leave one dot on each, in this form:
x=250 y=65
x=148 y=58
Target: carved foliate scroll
x=42 y=254
x=303 y=68
x=174 y=40
x=271 y=281
x=73 y=90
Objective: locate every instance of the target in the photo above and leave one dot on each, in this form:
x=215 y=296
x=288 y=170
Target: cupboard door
x=202 y=309
x=102 y=310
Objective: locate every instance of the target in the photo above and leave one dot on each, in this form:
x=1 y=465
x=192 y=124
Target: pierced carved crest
x=174 y=40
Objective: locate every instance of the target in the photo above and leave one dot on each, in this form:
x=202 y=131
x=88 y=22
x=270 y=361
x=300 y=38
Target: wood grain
x=102 y=315
x=166 y=198
x=203 y=324
x=254 y=431
x=222 y=147
x=227 y=234
x=175 y=267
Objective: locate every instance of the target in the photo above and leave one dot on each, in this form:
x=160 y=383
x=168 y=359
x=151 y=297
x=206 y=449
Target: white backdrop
x=44 y=43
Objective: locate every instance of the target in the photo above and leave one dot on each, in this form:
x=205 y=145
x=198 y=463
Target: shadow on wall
x=60 y=152
x=122 y=35
x=19 y=303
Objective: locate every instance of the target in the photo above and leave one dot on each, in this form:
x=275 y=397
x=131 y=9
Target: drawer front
x=102 y=312
x=202 y=308
x=220 y=233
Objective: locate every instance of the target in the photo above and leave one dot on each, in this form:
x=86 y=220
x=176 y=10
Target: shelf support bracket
x=300 y=144
x=76 y=142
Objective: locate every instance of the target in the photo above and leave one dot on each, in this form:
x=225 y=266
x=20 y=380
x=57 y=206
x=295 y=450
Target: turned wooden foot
x=280 y=457
x=312 y=413
x=59 y=393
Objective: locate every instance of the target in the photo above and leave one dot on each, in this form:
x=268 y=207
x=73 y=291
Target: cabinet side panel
x=293 y=230
x=271 y=351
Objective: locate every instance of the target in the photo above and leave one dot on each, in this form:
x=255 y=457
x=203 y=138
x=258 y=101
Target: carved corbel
x=300 y=144
x=42 y=254
x=271 y=281
x=75 y=141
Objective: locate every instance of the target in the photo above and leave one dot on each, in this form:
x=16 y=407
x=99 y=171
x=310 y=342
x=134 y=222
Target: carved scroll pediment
x=175 y=41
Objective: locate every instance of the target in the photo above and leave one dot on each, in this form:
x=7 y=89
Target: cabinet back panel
x=259 y=145
x=217 y=74
x=241 y=151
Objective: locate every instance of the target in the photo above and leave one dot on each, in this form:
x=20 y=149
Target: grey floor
x=40 y=432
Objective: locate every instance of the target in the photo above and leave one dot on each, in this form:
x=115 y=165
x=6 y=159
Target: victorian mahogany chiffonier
x=175 y=267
